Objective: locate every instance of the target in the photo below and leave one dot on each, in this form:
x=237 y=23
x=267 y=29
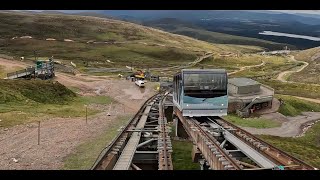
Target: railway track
x=276 y=155
x=225 y=146
x=142 y=144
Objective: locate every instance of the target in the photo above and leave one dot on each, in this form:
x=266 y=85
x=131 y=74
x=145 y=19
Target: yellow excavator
x=139 y=75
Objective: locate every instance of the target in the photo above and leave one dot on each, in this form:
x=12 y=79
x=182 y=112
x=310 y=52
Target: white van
x=139 y=83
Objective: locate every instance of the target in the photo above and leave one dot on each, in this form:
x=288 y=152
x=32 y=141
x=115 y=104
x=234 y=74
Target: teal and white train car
x=201 y=92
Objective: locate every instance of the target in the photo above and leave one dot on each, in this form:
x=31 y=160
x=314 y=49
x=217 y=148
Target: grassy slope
x=274 y=65
x=294 y=106
x=306 y=148
x=295 y=89
x=86 y=153
x=51 y=92
x=311 y=73
x=26 y=101
x=2 y=72
x=177 y=49
x=252 y=122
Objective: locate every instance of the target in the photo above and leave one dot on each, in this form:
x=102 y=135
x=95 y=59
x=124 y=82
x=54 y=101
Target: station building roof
x=240 y=82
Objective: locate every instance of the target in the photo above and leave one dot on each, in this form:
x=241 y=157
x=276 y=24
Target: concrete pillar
x=168 y=111
x=180 y=131
x=196 y=154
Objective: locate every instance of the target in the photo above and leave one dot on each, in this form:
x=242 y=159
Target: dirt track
x=247 y=67
x=291 y=127
x=281 y=76
x=308 y=99
x=123 y=91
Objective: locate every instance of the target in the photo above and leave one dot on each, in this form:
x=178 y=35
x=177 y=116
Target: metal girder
x=125 y=159
x=215 y=156
x=245 y=149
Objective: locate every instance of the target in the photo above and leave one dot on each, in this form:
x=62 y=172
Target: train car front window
x=205 y=85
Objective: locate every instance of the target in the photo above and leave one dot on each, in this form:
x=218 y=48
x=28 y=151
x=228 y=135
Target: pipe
x=146 y=142
x=248 y=165
x=135 y=167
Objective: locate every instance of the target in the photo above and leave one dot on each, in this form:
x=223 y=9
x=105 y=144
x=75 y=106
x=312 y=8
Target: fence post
x=39 y=133
x=86 y=114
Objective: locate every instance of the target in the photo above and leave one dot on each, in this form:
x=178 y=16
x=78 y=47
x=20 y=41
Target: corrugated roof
x=205 y=70
x=242 y=82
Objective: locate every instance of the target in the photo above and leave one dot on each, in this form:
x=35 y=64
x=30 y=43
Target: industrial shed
x=243 y=86
x=247 y=95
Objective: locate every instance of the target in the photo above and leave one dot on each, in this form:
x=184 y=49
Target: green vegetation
x=2 y=72
x=95 y=100
x=49 y=92
x=265 y=65
x=230 y=63
x=294 y=89
x=24 y=112
x=306 y=148
x=181 y=156
x=273 y=66
x=252 y=122
x=86 y=153
x=74 y=89
x=23 y=101
x=294 y=106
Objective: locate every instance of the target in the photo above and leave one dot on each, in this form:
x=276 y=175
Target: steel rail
x=214 y=141
x=165 y=161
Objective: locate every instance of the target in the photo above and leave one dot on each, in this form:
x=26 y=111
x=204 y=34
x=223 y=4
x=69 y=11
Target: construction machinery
x=139 y=75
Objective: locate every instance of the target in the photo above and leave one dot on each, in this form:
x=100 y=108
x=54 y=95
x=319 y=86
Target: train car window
x=205 y=85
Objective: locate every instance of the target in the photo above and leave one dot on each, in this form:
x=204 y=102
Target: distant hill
x=91 y=41
x=189 y=29
x=234 y=22
x=239 y=23
x=191 y=15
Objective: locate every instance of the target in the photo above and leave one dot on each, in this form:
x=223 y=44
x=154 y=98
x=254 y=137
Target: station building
x=247 y=96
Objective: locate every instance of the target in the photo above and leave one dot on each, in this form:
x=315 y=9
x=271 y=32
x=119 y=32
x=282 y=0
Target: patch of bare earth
x=11 y=65
x=60 y=136
x=123 y=91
